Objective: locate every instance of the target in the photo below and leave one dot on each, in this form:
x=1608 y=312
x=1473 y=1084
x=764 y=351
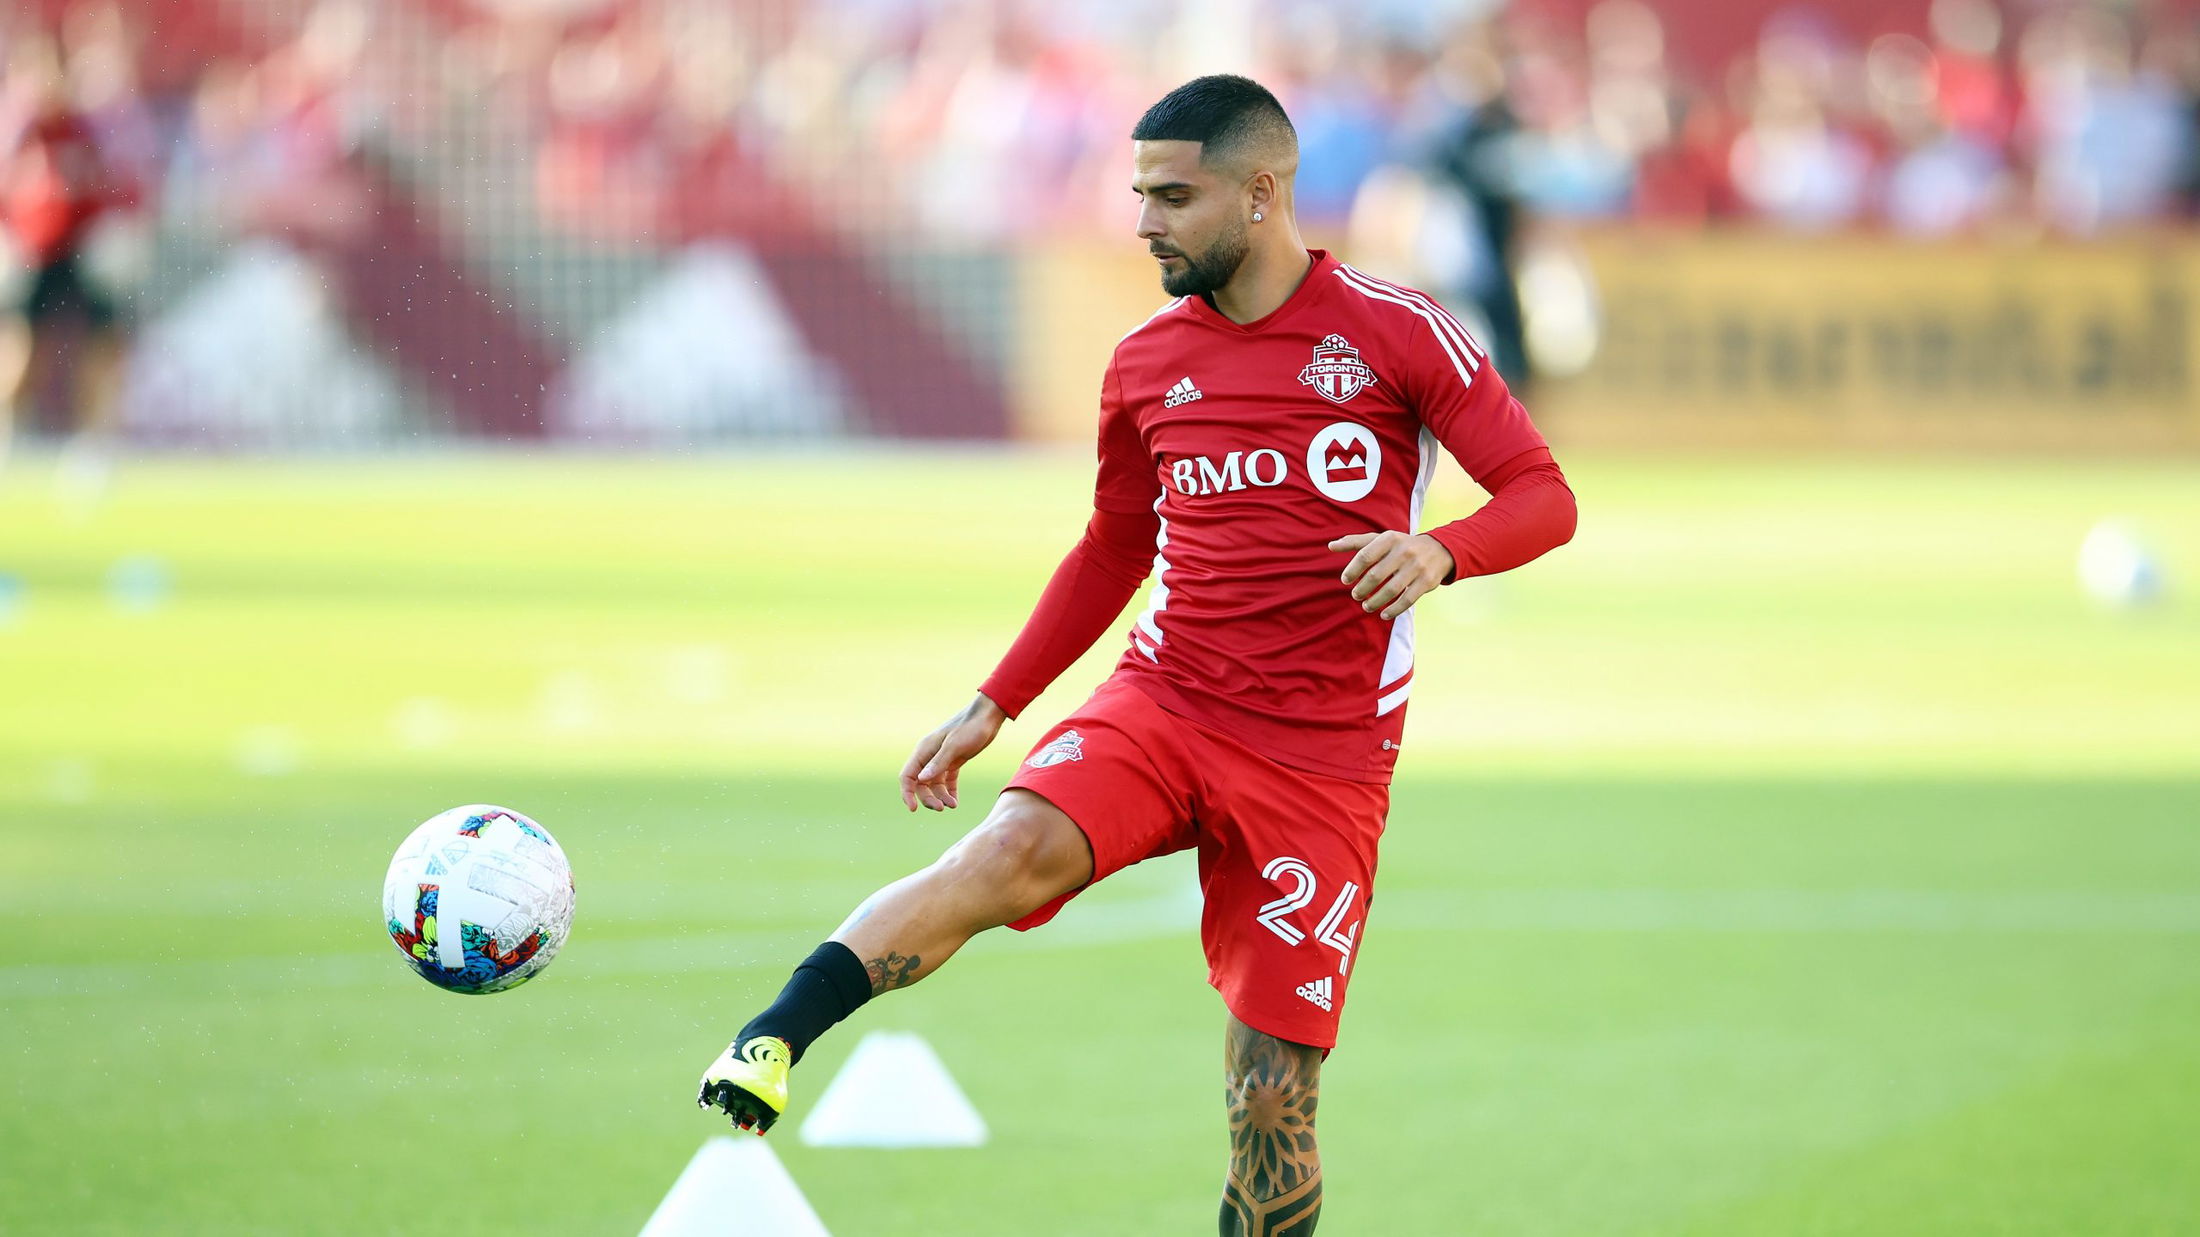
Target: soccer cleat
x=748 y=1082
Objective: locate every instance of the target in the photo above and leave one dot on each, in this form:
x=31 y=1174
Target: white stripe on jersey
x=1426 y=475
x=1159 y=599
x=1463 y=362
x=1459 y=328
x=1398 y=657
x=1452 y=337
x=1391 y=700
x=1149 y=319
x=1443 y=319
x=1465 y=367
x=1149 y=619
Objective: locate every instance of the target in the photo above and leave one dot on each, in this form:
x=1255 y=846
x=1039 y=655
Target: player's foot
x=748 y=1082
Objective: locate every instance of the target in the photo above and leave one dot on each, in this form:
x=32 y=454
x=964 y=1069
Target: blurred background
x=655 y=414
x=672 y=224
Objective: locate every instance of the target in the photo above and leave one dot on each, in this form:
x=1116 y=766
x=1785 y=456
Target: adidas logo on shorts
x=1320 y=992
x=1182 y=393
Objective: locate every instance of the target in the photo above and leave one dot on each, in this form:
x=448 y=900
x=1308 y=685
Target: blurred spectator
x=536 y=165
x=967 y=122
x=1796 y=162
x=1334 y=95
x=2175 y=53
x=1564 y=163
x=1940 y=178
x=59 y=179
x=1973 y=93
x=2109 y=137
x=1478 y=159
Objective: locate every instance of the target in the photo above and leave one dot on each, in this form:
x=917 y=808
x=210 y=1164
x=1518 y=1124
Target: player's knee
x=1027 y=849
x=1272 y=1084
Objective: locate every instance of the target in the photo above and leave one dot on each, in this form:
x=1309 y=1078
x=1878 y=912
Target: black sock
x=829 y=985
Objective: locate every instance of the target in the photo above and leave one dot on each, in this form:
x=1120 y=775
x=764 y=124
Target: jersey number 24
x=1331 y=931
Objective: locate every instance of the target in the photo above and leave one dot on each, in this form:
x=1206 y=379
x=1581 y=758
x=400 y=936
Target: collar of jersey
x=1306 y=291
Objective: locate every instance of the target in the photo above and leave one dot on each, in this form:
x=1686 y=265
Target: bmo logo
x=1239 y=469
x=1344 y=460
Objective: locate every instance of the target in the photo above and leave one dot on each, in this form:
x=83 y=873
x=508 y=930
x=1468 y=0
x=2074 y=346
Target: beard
x=1209 y=270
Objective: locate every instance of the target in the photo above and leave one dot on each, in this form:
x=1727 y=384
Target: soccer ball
x=2116 y=568
x=478 y=899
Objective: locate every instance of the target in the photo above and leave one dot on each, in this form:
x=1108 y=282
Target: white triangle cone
x=734 y=1188
x=893 y=1092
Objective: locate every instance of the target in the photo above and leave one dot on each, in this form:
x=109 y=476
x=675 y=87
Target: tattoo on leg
x=892 y=971
x=1275 y=1184
x=1292 y=1215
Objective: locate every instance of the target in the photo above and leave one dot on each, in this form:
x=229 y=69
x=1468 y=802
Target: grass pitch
x=1829 y=866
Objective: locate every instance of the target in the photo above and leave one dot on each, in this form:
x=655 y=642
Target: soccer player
x=1265 y=442
x=56 y=183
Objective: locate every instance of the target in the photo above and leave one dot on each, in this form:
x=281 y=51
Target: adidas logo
x=1321 y=992
x=1182 y=393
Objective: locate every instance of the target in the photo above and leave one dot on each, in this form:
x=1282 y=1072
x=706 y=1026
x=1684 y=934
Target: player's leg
x=17 y=347
x=1026 y=854
x=1274 y=1186
x=1103 y=790
x=1287 y=860
x=99 y=383
x=88 y=459
x=27 y=337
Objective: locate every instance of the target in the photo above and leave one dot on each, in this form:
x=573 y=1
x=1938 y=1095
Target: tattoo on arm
x=892 y=971
x=1275 y=1184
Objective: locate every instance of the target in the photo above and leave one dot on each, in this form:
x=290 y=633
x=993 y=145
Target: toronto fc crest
x=1337 y=371
x=1071 y=746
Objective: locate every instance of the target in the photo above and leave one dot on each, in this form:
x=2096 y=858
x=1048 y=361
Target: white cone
x=734 y=1188
x=893 y=1092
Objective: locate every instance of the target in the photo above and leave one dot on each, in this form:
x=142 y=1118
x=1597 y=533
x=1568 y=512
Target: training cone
x=893 y=1092
x=734 y=1188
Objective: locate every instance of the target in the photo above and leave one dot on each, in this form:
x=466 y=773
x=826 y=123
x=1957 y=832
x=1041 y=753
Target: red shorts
x=1286 y=857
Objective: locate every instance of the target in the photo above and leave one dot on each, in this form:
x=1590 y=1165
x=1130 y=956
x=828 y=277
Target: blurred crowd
x=981 y=121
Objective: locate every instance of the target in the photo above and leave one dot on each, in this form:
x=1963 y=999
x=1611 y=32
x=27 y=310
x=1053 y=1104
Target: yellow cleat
x=748 y=1082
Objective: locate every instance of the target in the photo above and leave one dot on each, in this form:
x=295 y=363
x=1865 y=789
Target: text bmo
x=1201 y=475
x=1343 y=462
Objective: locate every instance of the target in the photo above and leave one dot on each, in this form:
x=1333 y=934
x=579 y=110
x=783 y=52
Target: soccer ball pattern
x=479 y=899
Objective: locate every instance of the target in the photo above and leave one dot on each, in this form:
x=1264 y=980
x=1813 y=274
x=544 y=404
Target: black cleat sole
x=748 y=1112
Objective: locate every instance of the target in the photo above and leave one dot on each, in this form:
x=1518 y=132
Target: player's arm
x=1081 y=602
x=1531 y=510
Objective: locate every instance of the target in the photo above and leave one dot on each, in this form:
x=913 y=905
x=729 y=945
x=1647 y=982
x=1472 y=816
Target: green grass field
x=1831 y=867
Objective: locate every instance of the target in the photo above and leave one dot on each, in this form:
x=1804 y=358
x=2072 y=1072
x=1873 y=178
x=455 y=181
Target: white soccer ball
x=2116 y=569
x=478 y=899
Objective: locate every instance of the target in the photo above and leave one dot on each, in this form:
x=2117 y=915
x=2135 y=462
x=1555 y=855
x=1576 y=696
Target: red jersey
x=1259 y=443
x=54 y=182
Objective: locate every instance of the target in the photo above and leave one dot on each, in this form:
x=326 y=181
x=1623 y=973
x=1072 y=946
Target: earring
x=1256 y=216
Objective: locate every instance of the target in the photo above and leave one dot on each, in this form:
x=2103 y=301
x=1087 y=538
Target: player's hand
x=929 y=777
x=1390 y=571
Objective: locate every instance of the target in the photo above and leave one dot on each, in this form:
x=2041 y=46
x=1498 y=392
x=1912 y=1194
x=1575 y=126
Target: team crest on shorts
x=1337 y=372
x=1071 y=746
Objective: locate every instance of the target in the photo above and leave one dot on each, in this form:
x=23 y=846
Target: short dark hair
x=1227 y=114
